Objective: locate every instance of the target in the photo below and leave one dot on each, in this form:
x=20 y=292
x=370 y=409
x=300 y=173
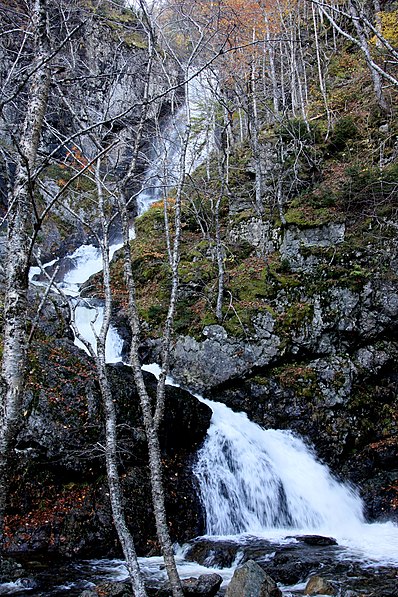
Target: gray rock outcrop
x=250 y=580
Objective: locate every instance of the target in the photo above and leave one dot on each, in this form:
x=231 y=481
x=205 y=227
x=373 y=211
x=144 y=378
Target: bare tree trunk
x=20 y=226
x=155 y=463
x=254 y=127
x=377 y=9
x=219 y=247
x=376 y=78
x=115 y=489
x=376 y=71
x=272 y=70
x=319 y=65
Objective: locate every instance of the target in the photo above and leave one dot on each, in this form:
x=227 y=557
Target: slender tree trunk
x=155 y=463
x=272 y=69
x=376 y=78
x=377 y=9
x=115 y=489
x=254 y=126
x=20 y=225
x=168 y=326
x=219 y=246
x=376 y=71
x=319 y=65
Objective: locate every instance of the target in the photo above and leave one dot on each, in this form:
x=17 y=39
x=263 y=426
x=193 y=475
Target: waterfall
x=269 y=483
x=163 y=172
x=253 y=479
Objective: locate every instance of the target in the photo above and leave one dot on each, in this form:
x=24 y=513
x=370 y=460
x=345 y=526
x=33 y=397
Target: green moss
x=302 y=380
x=297 y=315
x=307 y=216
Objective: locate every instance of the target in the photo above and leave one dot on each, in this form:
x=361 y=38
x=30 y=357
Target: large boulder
x=317 y=585
x=250 y=580
x=206 y=585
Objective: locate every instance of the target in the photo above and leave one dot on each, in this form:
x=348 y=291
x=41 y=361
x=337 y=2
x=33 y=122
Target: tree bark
x=115 y=489
x=20 y=226
x=376 y=78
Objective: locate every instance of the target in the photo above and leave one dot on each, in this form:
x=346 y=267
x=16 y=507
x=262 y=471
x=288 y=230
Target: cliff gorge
x=304 y=223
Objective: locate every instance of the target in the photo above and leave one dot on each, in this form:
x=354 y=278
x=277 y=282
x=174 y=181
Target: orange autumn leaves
x=241 y=21
x=239 y=27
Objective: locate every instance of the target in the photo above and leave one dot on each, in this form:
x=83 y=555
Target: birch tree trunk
x=219 y=246
x=376 y=78
x=151 y=422
x=155 y=463
x=20 y=226
x=254 y=127
x=322 y=86
x=115 y=489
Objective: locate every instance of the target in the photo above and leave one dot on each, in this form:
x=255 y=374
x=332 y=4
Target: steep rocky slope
x=308 y=335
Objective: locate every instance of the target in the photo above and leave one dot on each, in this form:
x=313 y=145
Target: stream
x=264 y=491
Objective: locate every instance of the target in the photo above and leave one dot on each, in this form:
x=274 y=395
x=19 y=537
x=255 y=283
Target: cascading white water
x=268 y=483
x=88 y=317
x=164 y=171
x=254 y=479
x=87 y=261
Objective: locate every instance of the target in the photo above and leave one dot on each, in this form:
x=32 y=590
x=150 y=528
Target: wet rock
x=250 y=580
x=206 y=552
x=290 y=568
x=206 y=585
x=316 y=540
x=10 y=570
x=319 y=586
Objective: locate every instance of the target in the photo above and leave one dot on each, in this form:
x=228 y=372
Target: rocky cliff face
x=318 y=355
x=308 y=335
x=95 y=98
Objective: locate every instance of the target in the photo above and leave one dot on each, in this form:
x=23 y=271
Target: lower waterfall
x=268 y=483
x=253 y=479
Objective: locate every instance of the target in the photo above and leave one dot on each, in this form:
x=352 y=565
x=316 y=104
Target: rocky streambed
x=299 y=565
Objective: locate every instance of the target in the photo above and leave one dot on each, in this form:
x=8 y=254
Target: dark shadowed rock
x=65 y=506
x=207 y=552
x=250 y=580
x=316 y=540
x=110 y=589
x=206 y=585
x=10 y=570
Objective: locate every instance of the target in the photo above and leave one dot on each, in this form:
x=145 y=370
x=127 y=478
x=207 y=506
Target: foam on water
x=153 y=568
x=268 y=483
x=87 y=261
x=88 y=317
